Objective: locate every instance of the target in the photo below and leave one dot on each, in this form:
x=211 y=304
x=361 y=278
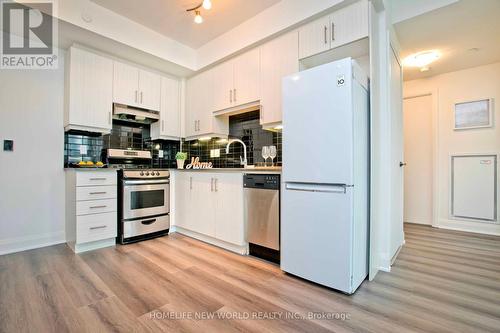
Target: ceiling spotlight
x=421 y=59
x=207 y=4
x=198 y=19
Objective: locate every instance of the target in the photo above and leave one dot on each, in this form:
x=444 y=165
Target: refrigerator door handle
x=321 y=188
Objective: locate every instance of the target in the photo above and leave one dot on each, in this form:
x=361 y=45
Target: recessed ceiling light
x=421 y=59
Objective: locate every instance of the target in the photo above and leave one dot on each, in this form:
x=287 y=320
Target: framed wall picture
x=474 y=114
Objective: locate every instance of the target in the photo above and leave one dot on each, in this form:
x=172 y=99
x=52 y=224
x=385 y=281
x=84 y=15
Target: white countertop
x=268 y=170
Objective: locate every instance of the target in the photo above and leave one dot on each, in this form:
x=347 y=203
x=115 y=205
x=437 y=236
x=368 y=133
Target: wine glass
x=265 y=154
x=272 y=154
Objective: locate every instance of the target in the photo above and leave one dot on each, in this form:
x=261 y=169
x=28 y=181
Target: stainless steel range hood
x=136 y=115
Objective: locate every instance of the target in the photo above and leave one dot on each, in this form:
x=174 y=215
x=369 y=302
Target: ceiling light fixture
x=421 y=59
x=206 y=4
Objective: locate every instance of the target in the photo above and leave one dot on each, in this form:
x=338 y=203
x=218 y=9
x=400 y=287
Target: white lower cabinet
x=211 y=204
x=91 y=209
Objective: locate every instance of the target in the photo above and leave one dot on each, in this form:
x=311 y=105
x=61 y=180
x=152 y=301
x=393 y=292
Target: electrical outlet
x=83 y=150
x=160 y=153
x=8 y=145
x=214 y=153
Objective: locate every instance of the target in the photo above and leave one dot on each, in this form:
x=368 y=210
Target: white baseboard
x=18 y=244
x=243 y=250
x=487 y=228
x=417 y=221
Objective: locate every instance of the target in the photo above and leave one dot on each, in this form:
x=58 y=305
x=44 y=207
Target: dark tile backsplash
x=122 y=136
x=245 y=127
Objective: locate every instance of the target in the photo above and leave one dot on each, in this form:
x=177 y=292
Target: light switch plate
x=214 y=153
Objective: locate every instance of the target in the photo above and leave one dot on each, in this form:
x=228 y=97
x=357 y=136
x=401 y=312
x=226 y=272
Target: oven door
x=143 y=198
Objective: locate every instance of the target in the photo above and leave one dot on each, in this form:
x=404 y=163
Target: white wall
x=32 y=176
x=470 y=84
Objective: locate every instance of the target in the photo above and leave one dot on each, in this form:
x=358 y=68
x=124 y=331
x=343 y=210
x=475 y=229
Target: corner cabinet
x=279 y=58
x=136 y=87
x=168 y=127
x=209 y=206
x=343 y=26
x=200 y=120
x=89 y=94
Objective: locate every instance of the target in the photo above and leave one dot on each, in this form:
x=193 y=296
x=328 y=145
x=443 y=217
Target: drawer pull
x=98 y=192
x=98 y=227
x=98 y=178
x=95 y=207
x=148 y=222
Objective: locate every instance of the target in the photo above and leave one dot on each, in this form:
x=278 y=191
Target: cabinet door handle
x=97 y=178
x=215 y=182
x=163 y=125
x=195 y=125
x=333 y=32
x=98 y=227
x=326 y=31
x=211 y=184
x=93 y=193
x=95 y=207
x=136 y=96
x=230 y=95
x=141 y=97
x=198 y=125
x=190 y=183
x=109 y=118
x=234 y=94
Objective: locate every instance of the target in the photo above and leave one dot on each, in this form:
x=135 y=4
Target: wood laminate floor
x=442 y=281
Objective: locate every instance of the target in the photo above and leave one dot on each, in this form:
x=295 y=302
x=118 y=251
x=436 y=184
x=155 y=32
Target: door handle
x=325 y=32
x=97 y=178
x=333 y=31
x=148 y=222
x=402 y=164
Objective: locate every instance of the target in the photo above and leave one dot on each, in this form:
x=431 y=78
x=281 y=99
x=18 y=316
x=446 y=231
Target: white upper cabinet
x=149 y=90
x=237 y=81
x=89 y=92
x=200 y=120
x=223 y=76
x=279 y=58
x=314 y=37
x=344 y=26
x=247 y=78
x=168 y=127
x=349 y=24
x=136 y=87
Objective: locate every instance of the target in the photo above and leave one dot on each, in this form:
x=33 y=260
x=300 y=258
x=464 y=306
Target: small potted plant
x=180 y=157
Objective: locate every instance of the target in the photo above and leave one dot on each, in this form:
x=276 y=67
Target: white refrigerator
x=325 y=181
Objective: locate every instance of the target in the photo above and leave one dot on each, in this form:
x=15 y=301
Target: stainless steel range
x=143 y=196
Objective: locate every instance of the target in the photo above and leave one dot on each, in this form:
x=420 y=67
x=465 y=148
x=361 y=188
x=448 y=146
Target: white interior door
x=418 y=148
x=397 y=161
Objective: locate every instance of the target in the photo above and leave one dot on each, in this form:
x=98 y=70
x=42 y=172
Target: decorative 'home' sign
x=196 y=164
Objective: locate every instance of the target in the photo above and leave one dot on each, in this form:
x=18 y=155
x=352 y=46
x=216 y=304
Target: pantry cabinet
x=211 y=204
x=344 y=26
x=136 y=87
x=279 y=58
x=168 y=127
x=89 y=82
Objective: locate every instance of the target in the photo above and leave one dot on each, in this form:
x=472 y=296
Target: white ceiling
x=453 y=30
x=169 y=17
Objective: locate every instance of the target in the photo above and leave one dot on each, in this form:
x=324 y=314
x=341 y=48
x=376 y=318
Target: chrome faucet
x=243 y=161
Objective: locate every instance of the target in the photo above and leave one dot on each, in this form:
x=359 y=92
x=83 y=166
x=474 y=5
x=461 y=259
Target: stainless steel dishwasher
x=262 y=210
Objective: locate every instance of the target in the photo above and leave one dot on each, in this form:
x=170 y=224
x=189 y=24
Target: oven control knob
x=157 y=173
x=142 y=173
x=147 y=173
